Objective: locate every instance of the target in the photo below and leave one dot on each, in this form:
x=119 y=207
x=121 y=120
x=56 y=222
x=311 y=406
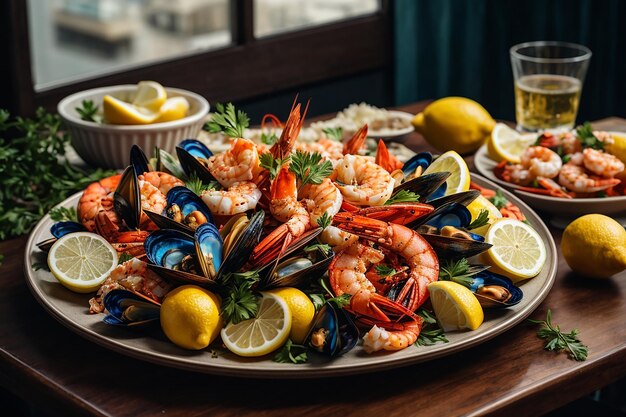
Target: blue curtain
x=461 y=47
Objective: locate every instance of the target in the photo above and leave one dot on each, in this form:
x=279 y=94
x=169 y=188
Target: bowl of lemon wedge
x=105 y=122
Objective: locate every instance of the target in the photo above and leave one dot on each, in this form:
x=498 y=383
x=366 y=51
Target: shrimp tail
x=386 y=160
x=354 y=145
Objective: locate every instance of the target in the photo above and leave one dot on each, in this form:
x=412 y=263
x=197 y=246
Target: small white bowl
x=108 y=145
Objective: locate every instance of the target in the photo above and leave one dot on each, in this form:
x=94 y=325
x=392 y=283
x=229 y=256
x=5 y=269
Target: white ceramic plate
x=393 y=133
x=563 y=210
x=71 y=310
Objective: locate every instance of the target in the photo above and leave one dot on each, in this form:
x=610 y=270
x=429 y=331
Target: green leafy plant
x=334 y=133
x=431 y=332
x=240 y=302
x=88 y=111
x=273 y=165
x=228 y=120
x=403 y=196
x=309 y=168
x=558 y=340
x=291 y=353
x=481 y=220
x=585 y=135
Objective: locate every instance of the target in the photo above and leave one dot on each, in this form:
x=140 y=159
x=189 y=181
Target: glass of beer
x=548 y=82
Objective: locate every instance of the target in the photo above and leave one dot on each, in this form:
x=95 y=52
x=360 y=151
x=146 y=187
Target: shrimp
x=151 y=199
x=568 y=142
x=362 y=182
x=161 y=180
x=133 y=275
x=387 y=160
x=320 y=198
x=601 y=163
x=237 y=164
x=286 y=208
x=348 y=270
x=541 y=162
x=337 y=239
x=396 y=337
x=95 y=199
x=331 y=150
x=239 y=198
x=575 y=178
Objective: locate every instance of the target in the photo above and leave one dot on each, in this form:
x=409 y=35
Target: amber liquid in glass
x=545 y=101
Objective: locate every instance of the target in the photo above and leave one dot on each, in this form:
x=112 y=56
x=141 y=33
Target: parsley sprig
x=240 y=302
x=269 y=138
x=89 y=111
x=431 y=331
x=321 y=246
x=35 y=175
x=309 y=168
x=481 y=220
x=273 y=165
x=334 y=133
x=291 y=353
x=196 y=185
x=228 y=120
x=403 y=196
x=458 y=271
x=385 y=270
x=64 y=214
x=585 y=135
x=499 y=200
x=558 y=341
x=324 y=220
x=319 y=299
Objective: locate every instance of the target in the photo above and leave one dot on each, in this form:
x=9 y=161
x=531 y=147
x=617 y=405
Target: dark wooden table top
x=46 y=364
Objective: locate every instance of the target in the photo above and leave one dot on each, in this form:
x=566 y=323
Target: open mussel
x=333 y=332
x=196 y=148
x=417 y=164
x=240 y=238
x=424 y=185
x=58 y=230
x=126 y=308
x=139 y=160
x=453 y=247
x=127 y=198
x=464 y=198
x=194 y=166
x=495 y=290
x=185 y=211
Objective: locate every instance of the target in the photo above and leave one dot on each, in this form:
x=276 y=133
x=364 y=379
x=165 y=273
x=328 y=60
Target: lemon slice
x=82 y=261
x=150 y=95
x=174 y=108
x=455 y=306
x=459 y=180
x=302 y=312
x=517 y=252
x=506 y=144
x=263 y=334
x=120 y=112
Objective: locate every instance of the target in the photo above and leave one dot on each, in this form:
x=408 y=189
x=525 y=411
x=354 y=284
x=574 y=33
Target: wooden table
x=45 y=364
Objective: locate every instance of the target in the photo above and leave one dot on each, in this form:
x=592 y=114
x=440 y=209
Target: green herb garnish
x=341 y=301
x=324 y=220
x=457 y=271
x=403 y=196
x=481 y=220
x=196 y=185
x=334 y=133
x=124 y=257
x=586 y=137
x=321 y=246
x=228 y=120
x=558 y=341
x=88 y=111
x=431 y=332
x=240 y=302
x=385 y=270
x=269 y=138
x=273 y=165
x=291 y=353
x=309 y=168
x=35 y=175
x=64 y=214
x=499 y=200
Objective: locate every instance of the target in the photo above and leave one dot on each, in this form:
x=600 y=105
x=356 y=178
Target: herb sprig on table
x=558 y=340
x=34 y=172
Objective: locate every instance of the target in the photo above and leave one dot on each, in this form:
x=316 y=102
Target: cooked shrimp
x=240 y=197
x=362 y=182
x=320 y=198
x=151 y=199
x=337 y=239
x=237 y=164
x=541 y=162
x=331 y=150
x=96 y=198
x=575 y=178
x=133 y=275
x=397 y=337
x=602 y=163
x=161 y=180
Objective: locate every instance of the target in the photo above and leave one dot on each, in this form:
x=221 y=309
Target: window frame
x=247 y=68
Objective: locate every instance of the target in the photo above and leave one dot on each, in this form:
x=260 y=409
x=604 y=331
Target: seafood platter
x=565 y=174
x=367 y=237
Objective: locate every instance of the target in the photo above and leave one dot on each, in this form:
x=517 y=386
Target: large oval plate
x=71 y=310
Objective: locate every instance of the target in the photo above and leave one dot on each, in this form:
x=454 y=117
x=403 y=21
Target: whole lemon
x=190 y=317
x=302 y=311
x=617 y=147
x=454 y=123
x=595 y=246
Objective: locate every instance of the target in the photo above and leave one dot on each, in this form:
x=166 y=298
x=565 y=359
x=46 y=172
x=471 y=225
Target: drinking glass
x=548 y=81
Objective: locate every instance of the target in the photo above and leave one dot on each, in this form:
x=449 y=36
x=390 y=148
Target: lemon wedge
x=81 y=261
x=455 y=306
x=517 y=252
x=174 y=108
x=506 y=144
x=482 y=203
x=120 y=112
x=263 y=334
x=150 y=95
x=302 y=312
x=459 y=179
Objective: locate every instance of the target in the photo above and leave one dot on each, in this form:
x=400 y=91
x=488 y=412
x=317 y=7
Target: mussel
x=196 y=148
x=418 y=162
x=424 y=185
x=495 y=290
x=194 y=166
x=333 y=332
x=162 y=161
x=185 y=211
x=127 y=198
x=126 y=308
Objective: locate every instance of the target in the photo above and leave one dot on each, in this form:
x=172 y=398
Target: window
x=218 y=48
